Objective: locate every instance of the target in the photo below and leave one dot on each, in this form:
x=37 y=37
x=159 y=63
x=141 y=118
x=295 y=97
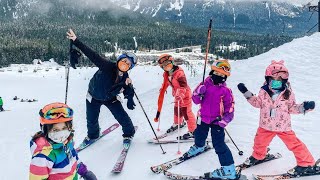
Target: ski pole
x=67 y=81
x=178 y=108
x=207 y=49
x=163 y=152
x=239 y=152
x=158 y=129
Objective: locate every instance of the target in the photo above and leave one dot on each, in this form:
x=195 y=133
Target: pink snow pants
x=187 y=114
x=299 y=149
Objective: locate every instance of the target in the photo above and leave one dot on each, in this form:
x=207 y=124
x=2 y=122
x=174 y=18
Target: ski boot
x=187 y=135
x=299 y=170
x=194 y=150
x=251 y=161
x=225 y=172
x=87 y=141
x=127 y=141
x=174 y=127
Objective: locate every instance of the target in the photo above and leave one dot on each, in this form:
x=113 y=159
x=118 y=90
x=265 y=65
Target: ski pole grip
x=156 y=119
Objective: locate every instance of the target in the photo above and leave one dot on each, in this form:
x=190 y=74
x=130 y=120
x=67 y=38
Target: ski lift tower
x=316 y=9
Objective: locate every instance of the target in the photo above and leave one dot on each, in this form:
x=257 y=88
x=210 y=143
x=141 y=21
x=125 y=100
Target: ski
x=181 y=141
x=269 y=157
x=167 y=165
x=161 y=136
x=171 y=175
x=105 y=132
x=287 y=175
x=121 y=159
x=5 y=110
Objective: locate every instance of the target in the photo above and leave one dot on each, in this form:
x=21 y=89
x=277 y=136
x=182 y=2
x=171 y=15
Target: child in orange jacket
x=174 y=76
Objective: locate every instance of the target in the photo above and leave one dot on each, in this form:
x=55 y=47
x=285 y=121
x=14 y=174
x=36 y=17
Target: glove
x=309 y=105
x=242 y=88
x=85 y=173
x=222 y=123
x=156 y=119
x=89 y=176
x=200 y=90
x=179 y=94
x=130 y=103
x=74 y=57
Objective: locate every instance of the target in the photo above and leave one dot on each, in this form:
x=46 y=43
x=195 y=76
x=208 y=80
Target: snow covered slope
x=302 y=58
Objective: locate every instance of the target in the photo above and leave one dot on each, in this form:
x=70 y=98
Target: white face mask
x=59 y=137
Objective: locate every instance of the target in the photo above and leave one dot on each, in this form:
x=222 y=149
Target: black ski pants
x=115 y=106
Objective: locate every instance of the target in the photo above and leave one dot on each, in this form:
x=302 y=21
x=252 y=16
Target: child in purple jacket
x=217 y=103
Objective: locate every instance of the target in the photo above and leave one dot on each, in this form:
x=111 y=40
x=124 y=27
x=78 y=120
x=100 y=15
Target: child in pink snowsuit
x=276 y=102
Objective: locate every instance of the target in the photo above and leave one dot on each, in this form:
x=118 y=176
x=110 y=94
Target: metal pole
x=67 y=81
x=207 y=49
x=178 y=108
x=163 y=152
x=319 y=16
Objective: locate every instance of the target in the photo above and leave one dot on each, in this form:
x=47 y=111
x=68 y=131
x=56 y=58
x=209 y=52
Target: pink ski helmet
x=277 y=69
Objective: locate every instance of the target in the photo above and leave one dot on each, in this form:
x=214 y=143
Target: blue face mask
x=276 y=84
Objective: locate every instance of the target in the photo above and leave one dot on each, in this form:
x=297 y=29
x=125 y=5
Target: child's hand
x=180 y=94
x=242 y=88
x=222 y=123
x=200 y=90
x=308 y=106
x=71 y=35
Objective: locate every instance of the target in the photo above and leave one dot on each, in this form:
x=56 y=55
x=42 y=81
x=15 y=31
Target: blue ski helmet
x=131 y=56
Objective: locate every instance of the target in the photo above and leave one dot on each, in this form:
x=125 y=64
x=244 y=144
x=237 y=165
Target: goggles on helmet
x=282 y=74
x=222 y=66
x=56 y=113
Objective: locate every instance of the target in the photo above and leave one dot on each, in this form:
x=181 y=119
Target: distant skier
x=1 y=104
x=276 y=102
x=111 y=79
x=216 y=112
x=52 y=148
x=15 y=98
x=174 y=76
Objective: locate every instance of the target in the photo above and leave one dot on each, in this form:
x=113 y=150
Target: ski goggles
x=164 y=59
x=56 y=113
x=132 y=57
x=222 y=64
x=282 y=74
x=165 y=63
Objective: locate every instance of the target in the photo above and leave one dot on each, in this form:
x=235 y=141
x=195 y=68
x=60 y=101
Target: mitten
x=85 y=173
x=74 y=57
x=180 y=94
x=309 y=105
x=130 y=103
x=242 y=88
x=200 y=90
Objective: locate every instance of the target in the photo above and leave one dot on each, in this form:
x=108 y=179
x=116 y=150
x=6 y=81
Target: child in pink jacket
x=276 y=102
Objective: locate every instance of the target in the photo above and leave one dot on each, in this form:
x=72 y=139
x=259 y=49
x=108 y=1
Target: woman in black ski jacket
x=110 y=80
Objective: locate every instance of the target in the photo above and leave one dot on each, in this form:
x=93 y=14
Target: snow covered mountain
x=271 y=16
x=301 y=57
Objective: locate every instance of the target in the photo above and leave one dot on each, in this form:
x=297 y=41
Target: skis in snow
x=205 y=177
x=181 y=141
x=269 y=157
x=239 y=168
x=167 y=165
x=105 y=132
x=121 y=159
x=287 y=175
